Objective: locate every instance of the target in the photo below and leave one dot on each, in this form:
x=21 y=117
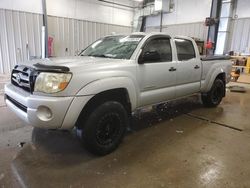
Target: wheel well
x=119 y=95
x=222 y=76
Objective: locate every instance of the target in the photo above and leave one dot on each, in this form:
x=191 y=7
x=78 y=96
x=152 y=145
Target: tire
x=105 y=128
x=214 y=96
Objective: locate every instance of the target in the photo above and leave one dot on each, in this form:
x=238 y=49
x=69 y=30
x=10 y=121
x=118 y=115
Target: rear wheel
x=105 y=128
x=215 y=95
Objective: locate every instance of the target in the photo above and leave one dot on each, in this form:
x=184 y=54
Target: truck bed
x=212 y=58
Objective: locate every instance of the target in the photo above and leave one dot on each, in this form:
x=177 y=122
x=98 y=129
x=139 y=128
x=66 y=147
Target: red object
x=209 y=45
x=50 y=46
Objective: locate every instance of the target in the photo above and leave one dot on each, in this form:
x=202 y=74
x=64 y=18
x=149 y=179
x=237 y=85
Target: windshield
x=117 y=47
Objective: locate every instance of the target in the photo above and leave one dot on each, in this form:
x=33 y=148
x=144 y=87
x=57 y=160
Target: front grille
x=17 y=104
x=23 y=77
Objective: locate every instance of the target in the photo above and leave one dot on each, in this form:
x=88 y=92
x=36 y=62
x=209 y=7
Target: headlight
x=51 y=82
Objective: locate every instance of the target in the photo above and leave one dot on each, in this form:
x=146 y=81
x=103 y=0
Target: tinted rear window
x=185 y=49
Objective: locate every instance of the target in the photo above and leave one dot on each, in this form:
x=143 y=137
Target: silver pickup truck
x=98 y=90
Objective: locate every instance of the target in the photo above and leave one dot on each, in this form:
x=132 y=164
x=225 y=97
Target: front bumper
x=32 y=108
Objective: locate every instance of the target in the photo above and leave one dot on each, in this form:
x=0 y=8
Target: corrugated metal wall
x=239 y=38
x=20 y=31
x=197 y=30
x=70 y=35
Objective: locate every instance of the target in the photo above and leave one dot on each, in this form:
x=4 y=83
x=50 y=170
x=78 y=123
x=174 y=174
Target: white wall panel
x=5 y=48
x=33 y=6
x=92 y=10
x=185 y=11
x=197 y=30
x=242 y=9
x=239 y=38
x=20 y=30
x=10 y=38
x=1 y=58
x=71 y=35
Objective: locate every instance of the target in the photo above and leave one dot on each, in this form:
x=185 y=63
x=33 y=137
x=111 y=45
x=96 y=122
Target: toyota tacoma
x=98 y=90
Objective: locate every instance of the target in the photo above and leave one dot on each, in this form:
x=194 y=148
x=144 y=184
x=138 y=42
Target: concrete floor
x=244 y=78
x=181 y=144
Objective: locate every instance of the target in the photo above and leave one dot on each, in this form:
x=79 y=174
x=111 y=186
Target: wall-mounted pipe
x=118 y=4
x=44 y=31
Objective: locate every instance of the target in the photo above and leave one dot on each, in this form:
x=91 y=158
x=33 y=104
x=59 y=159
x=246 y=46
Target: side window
x=185 y=49
x=162 y=47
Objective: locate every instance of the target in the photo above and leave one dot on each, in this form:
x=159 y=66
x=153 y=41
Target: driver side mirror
x=149 y=56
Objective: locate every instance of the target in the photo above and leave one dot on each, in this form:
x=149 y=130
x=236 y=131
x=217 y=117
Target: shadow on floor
x=165 y=111
x=61 y=142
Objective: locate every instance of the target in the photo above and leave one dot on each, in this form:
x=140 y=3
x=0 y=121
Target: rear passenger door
x=188 y=68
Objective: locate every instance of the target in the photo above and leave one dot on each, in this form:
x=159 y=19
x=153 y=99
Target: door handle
x=172 y=69
x=197 y=67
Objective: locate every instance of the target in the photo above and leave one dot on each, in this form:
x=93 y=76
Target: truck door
x=156 y=71
x=188 y=68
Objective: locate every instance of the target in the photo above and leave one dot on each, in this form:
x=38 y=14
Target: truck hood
x=85 y=70
x=76 y=62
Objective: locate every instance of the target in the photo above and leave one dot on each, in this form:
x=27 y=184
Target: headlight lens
x=52 y=82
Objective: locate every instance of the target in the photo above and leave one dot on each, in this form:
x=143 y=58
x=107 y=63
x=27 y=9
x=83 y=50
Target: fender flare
x=209 y=82
x=105 y=84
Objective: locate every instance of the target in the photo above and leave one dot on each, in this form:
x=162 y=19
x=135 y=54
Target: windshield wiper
x=100 y=55
x=103 y=55
x=94 y=55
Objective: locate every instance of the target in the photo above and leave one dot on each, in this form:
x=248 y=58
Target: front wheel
x=215 y=95
x=105 y=128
